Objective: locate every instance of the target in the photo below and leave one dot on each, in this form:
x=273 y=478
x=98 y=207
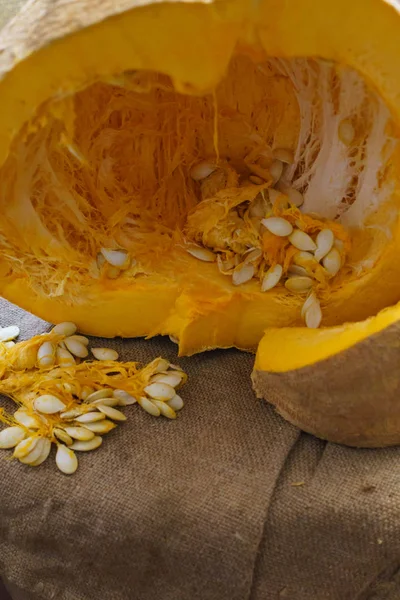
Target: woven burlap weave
x=227 y=503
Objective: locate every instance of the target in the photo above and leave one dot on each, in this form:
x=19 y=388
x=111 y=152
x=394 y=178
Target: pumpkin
x=225 y=173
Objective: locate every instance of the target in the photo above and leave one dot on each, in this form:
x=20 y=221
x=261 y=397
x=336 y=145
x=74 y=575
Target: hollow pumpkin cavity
x=269 y=202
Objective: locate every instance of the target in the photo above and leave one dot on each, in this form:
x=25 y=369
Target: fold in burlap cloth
x=204 y=508
x=208 y=507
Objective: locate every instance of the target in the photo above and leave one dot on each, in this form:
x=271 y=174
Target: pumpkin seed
x=11 y=436
x=105 y=354
x=297 y=270
x=111 y=413
x=44 y=453
x=65 y=328
x=36 y=453
x=278 y=226
x=172 y=379
x=160 y=391
x=123 y=398
x=302 y=241
x=243 y=273
x=332 y=262
x=106 y=402
x=48 y=404
x=90 y=417
x=116 y=258
x=63 y=436
x=253 y=255
x=64 y=358
x=324 y=241
x=162 y=365
x=86 y=391
x=9 y=344
x=76 y=348
x=176 y=403
x=66 y=460
x=25 y=447
x=276 y=169
x=8 y=333
x=202 y=170
x=313 y=314
x=201 y=253
x=295 y=197
x=258 y=207
x=298 y=284
x=284 y=155
x=149 y=406
x=301 y=258
x=346 y=132
x=165 y=409
x=256 y=179
x=79 y=433
x=71 y=414
x=104 y=393
x=271 y=278
x=46 y=355
x=79 y=338
x=24 y=418
x=101 y=426
x=112 y=272
x=89 y=445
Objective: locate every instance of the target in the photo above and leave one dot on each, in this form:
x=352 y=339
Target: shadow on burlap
x=228 y=502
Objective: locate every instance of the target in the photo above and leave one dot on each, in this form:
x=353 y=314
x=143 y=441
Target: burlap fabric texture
x=227 y=503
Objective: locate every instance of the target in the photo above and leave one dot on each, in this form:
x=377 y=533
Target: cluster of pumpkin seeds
x=78 y=424
x=244 y=261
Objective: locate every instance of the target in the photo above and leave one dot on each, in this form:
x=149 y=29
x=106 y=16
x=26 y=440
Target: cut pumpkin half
x=211 y=171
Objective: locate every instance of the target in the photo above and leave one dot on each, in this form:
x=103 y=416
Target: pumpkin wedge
x=207 y=171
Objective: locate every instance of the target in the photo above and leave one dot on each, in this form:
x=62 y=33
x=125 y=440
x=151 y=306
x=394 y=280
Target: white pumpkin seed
x=8 y=333
x=160 y=391
x=176 y=403
x=76 y=348
x=313 y=314
x=252 y=256
x=304 y=258
x=297 y=270
x=90 y=417
x=276 y=170
x=65 y=328
x=302 y=241
x=284 y=155
x=106 y=402
x=116 y=258
x=172 y=379
x=298 y=284
x=295 y=197
x=48 y=404
x=332 y=262
x=24 y=418
x=243 y=273
x=79 y=433
x=123 y=398
x=346 y=132
x=324 y=241
x=149 y=406
x=9 y=344
x=201 y=253
x=71 y=414
x=274 y=194
x=34 y=454
x=311 y=299
x=104 y=393
x=79 y=338
x=165 y=409
x=271 y=278
x=44 y=453
x=202 y=170
x=111 y=413
x=278 y=226
x=101 y=427
x=64 y=358
x=162 y=365
x=66 y=460
x=11 y=436
x=87 y=446
x=63 y=436
x=46 y=355
x=105 y=354
x=25 y=447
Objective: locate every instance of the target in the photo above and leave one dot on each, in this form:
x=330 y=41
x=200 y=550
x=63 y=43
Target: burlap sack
x=227 y=503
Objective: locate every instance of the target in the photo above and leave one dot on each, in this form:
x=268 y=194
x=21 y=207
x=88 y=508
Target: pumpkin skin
x=61 y=48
